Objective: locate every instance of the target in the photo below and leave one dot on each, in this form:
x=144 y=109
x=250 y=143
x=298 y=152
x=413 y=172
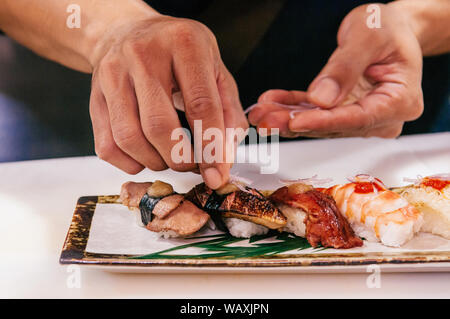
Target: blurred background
x=44 y=107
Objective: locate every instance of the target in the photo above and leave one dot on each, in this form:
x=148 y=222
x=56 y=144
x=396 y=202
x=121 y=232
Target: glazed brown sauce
x=435 y=183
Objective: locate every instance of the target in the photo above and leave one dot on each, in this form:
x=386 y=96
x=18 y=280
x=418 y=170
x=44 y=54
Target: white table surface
x=37 y=199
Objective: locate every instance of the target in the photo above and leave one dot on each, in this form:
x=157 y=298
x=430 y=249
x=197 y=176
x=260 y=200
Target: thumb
x=358 y=48
x=339 y=76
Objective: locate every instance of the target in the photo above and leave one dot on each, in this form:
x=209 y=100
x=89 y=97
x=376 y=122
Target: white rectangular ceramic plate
x=104 y=233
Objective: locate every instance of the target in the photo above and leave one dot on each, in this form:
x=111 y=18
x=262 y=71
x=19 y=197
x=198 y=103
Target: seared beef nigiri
x=162 y=210
x=314 y=215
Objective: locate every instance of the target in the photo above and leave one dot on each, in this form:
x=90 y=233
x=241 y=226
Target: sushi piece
x=431 y=196
x=242 y=211
x=163 y=211
x=376 y=213
x=315 y=216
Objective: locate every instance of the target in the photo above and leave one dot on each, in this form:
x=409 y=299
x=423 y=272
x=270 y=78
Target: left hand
x=370 y=86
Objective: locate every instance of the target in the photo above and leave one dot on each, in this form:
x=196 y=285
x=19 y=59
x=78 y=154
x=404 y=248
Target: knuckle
x=126 y=137
x=416 y=107
x=133 y=48
x=156 y=125
x=111 y=74
x=157 y=165
x=394 y=131
x=268 y=95
x=110 y=66
x=186 y=33
x=397 y=131
x=133 y=170
x=369 y=121
x=105 y=150
x=200 y=105
x=342 y=65
x=182 y=167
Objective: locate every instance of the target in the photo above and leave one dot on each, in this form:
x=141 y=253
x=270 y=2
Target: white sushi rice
x=244 y=229
x=166 y=234
x=434 y=205
x=295 y=220
x=391 y=234
x=395 y=235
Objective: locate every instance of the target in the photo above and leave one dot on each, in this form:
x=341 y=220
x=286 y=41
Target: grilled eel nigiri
x=314 y=215
x=162 y=210
x=230 y=203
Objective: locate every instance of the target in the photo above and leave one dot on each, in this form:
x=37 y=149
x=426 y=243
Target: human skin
x=138 y=58
x=371 y=84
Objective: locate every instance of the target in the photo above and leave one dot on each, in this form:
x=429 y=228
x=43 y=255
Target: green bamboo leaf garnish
x=218 y=247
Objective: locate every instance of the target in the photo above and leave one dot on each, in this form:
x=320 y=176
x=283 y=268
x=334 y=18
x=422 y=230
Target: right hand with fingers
x=139 y=68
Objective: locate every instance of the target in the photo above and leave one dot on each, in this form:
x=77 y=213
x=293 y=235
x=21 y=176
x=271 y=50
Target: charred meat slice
x=185 y=220
x=131 y=193
x=167 y=204
x=248 y=205
x=158 y=206
x=162 y=209
x=324 y=222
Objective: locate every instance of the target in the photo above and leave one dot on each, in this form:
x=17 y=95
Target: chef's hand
x=370 y=85
x=131 y=106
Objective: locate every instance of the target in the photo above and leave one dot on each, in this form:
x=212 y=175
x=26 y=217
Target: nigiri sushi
x=315 y=216
x=242 y=211
x=161 y=210
x=431 y=196
x=375 y=212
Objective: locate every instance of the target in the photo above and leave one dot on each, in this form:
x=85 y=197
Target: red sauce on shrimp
x=367 y=187
x=436 y=183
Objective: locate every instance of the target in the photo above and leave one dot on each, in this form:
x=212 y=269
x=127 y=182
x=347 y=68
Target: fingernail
x=325 y=92
x=296 y=127
x=301 y=130
x=212 y=177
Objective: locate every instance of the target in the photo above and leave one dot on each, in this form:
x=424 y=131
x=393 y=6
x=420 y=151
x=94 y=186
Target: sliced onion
x=240 y=182
x=314 y=180
x=250 y=108
x=366 y=178
x=235 y=178
x=301 y=107
x=292 y=114
x=415 y=181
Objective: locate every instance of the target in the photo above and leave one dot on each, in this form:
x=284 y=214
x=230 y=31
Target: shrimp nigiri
x=375 y=212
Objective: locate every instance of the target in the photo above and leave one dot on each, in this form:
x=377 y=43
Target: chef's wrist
x=429 y=21
x=103 y=32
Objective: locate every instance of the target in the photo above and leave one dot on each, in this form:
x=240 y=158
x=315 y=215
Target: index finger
x=196 y=76
x=376 y=109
